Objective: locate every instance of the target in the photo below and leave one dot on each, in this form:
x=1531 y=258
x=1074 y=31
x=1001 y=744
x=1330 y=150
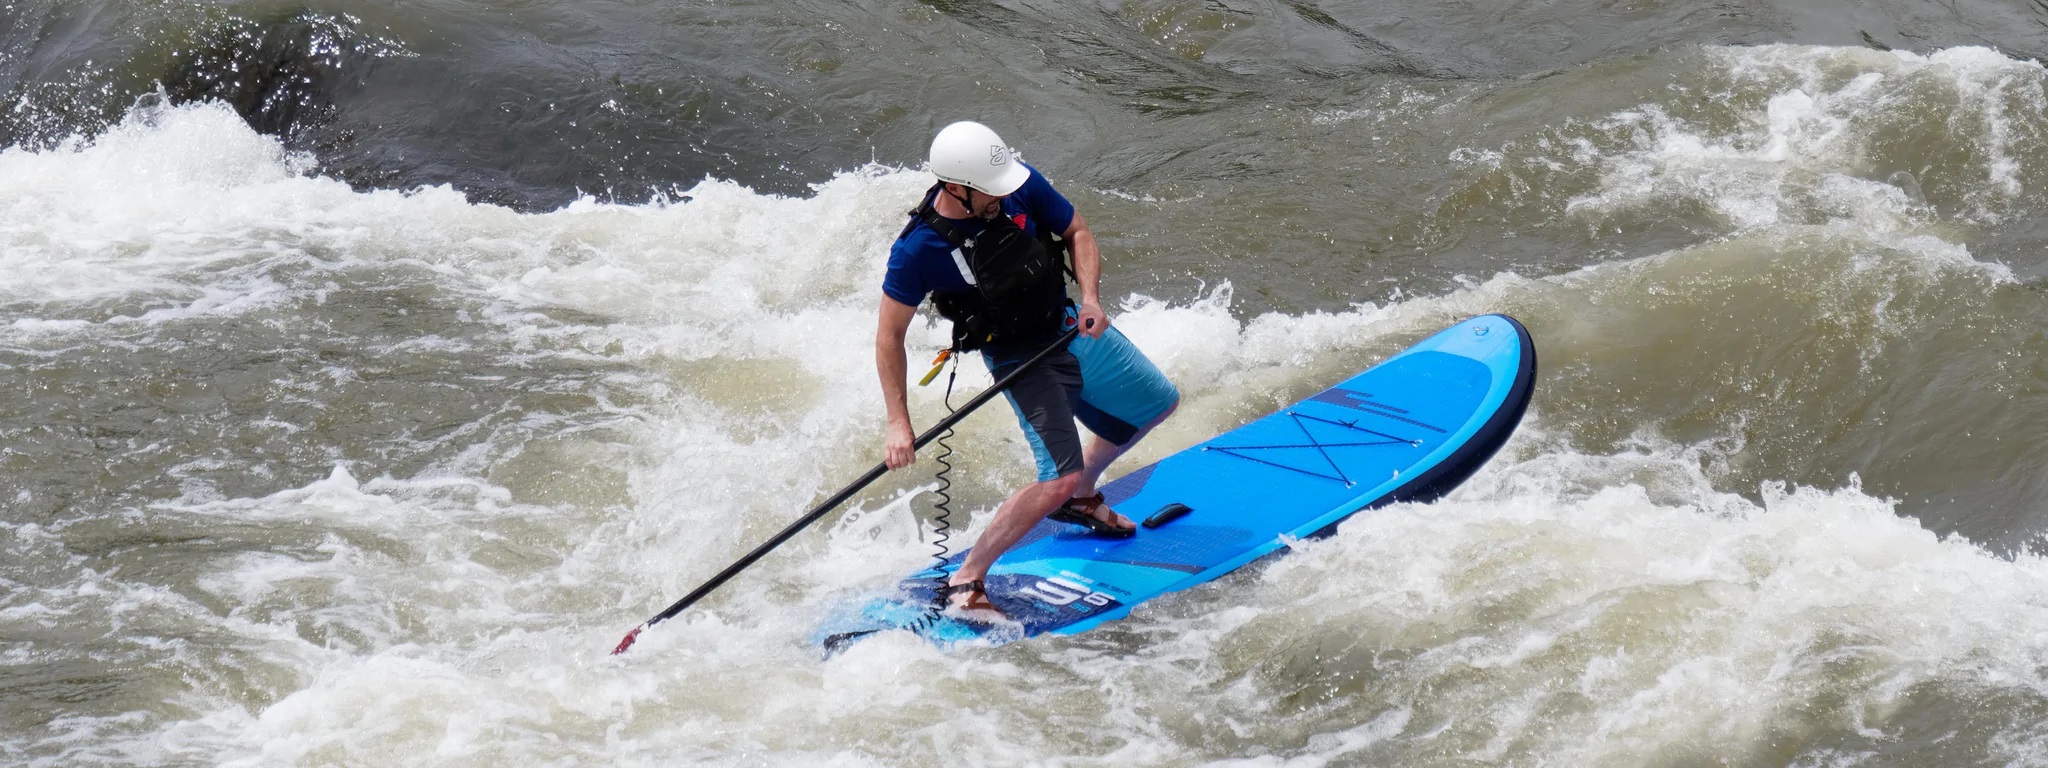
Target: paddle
x=840 y=497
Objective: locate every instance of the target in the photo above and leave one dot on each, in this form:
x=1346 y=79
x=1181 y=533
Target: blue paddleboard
x=1409 y=429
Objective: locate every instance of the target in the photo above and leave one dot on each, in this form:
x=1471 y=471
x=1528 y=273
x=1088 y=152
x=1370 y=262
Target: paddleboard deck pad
x=1407 y=430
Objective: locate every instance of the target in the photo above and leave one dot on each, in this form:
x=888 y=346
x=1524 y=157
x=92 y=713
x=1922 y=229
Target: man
x=980 y=246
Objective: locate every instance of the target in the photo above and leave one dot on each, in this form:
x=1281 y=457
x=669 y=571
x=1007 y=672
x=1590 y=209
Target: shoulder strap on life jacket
x=928 y=214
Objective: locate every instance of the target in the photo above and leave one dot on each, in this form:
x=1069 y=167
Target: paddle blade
x=628 y=642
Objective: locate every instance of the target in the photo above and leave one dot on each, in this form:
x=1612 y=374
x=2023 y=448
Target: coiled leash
x=841 y=496
x=942 y=525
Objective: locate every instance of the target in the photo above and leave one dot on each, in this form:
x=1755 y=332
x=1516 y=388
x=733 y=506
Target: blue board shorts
x=1105 y=382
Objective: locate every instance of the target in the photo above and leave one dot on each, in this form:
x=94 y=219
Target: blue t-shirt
x=921 y=261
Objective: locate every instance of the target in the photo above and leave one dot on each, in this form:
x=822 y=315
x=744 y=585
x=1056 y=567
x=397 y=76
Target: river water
x=371 y=367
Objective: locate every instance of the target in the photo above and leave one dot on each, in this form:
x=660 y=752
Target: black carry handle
x=840 y=497
x=1167 y=514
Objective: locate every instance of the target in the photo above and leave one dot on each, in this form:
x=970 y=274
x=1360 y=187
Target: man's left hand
x=1093 y=322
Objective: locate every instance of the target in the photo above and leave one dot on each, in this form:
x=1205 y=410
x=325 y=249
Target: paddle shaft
x=845 y=493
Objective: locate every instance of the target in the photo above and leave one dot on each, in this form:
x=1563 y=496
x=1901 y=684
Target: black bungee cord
x=843 y=494
x=942 y=525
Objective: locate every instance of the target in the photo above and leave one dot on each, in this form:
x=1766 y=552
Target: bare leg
x=1033 y=502
x=1100 y=453
x=1014 y=518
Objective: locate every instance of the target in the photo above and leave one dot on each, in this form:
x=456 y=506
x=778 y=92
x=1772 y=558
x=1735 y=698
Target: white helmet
x=969 y=153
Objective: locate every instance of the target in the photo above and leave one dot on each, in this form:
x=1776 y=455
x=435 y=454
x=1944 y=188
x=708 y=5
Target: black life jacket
x=1017 y=294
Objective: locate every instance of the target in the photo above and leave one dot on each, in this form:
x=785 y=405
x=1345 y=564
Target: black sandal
x=977 y=598
x=1080 y=511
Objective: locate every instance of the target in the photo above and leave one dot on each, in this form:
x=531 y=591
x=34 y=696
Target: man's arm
x=895 y=372
x=1088 y=274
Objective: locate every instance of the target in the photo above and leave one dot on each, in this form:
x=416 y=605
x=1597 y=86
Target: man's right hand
x=897 y=448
